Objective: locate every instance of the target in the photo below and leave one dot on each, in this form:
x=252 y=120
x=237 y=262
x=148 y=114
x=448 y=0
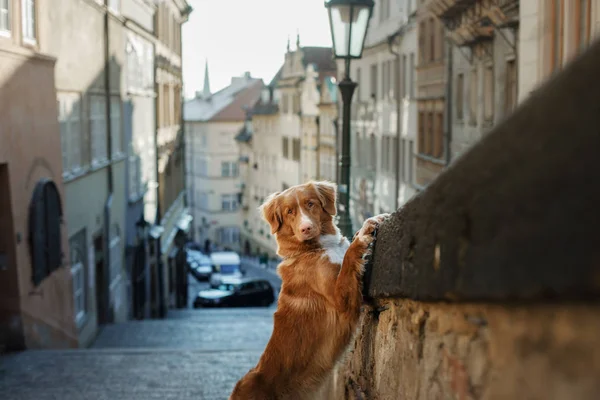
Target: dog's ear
x=271 y=212
x=326 y=192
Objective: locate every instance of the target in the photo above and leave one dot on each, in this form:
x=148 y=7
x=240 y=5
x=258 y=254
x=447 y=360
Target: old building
x=384 y=113
x=213 y=176
x=482 y=37
x=172 y=216
x=288 y=113
x=552 y=33
x=37 y=307
x=432 y=78
x=298 y=86
x=90 y=92
x=260 y=158
x=139 y=122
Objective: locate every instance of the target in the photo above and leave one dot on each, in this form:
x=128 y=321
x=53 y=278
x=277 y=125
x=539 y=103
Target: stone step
x=123 y=374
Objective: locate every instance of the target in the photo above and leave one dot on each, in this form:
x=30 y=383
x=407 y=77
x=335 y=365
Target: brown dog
x=320 y=299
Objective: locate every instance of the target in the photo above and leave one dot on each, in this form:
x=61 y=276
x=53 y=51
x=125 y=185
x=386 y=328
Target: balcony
x=470 y=34
x=449 y=9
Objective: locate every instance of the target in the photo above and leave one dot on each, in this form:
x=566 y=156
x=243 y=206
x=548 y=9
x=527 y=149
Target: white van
x=224 y=264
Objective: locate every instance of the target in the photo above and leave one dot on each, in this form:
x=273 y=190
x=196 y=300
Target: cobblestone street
x=193 y=354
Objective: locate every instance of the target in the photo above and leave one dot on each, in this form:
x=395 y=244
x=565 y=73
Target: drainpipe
x=448 y=95
x=109 y=199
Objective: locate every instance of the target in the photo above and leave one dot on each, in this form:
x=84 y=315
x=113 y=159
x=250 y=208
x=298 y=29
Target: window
x=373 y=151
x=438 y=144
x=115 y=256
x=510 y=93
x=422 y=36
x=384 y=79
x=583 y=23
x=403 y=74
x=556 y=34
x=98 y=129
x=410 y=158
x=28 y=19
x=473 y=98
x=488 y=98
x=230 y=235
x=358 y=76
x=429 y=144
x=374 y=81
x=116 y=126
x=421 y=123
x=135 y=176
x=397 y=80
x=412 y=75
x=431 y=37
x=45 y=220
x=296 y=149
x=460 y=87
x=284 y=103
x=229 y=169
x=77 y=247
x=69 y=118
x=229 y=202
x=286 y=147
x=5 y=17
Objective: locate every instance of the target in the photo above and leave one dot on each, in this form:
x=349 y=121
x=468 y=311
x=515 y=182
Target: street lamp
x=349 y=21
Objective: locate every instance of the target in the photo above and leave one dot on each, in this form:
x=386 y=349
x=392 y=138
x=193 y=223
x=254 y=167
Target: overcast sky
x=246 y=35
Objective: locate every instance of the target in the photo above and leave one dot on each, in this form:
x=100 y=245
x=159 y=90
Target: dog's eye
x=310 y=204
x=290 y=211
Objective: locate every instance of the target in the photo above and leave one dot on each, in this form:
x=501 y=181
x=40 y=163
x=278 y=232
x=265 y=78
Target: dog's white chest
x=335 y=248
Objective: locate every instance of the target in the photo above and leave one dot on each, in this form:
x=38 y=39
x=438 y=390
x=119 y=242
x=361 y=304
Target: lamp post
x=349 y=22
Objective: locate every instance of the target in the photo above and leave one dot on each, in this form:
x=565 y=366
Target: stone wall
x=486 y=285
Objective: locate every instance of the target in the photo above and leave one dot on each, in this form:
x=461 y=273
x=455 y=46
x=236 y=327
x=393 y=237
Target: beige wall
x=431 y=351
x=40 y=317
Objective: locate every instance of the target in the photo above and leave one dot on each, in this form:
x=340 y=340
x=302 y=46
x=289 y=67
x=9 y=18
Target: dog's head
x=302 y=212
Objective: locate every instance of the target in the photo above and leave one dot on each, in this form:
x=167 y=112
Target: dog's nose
x=305 y=228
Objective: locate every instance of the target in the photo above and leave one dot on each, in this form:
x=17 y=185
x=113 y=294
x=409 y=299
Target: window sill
x=432 y=159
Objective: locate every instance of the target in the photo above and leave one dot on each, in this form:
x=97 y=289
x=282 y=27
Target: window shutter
x=45 y=218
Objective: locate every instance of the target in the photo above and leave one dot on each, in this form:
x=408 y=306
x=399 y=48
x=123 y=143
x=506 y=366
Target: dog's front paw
x=366 y=234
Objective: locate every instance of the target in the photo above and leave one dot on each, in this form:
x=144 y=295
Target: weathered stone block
x=431 y=351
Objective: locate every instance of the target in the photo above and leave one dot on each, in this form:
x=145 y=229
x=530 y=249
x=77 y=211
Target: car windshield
x=227 y=287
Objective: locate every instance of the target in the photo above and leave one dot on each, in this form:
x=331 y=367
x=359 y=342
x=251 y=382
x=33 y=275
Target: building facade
x=383 y=126
x=260 y=158
x=552 y=33
x=37 y=306
x=213 y=172
x=173 y=220
x=483 y=66
x=139 y=121
x=432 y=94
x=90 y=92
x=328 y=124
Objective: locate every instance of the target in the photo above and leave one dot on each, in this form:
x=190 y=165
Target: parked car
x=225 y=264
x=237 y=292
x=200 y=266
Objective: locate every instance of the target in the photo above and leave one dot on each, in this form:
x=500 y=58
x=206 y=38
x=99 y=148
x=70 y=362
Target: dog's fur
x=320 y=299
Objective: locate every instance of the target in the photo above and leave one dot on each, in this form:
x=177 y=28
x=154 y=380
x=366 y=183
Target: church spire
x=288 y=44
x=206 y=91
x=298 y=39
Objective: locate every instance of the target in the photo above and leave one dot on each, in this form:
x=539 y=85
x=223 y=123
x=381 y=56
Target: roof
x=321 y=56
x=228 y=104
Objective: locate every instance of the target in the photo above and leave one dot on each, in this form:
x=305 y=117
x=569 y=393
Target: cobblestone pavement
x=193 y=354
